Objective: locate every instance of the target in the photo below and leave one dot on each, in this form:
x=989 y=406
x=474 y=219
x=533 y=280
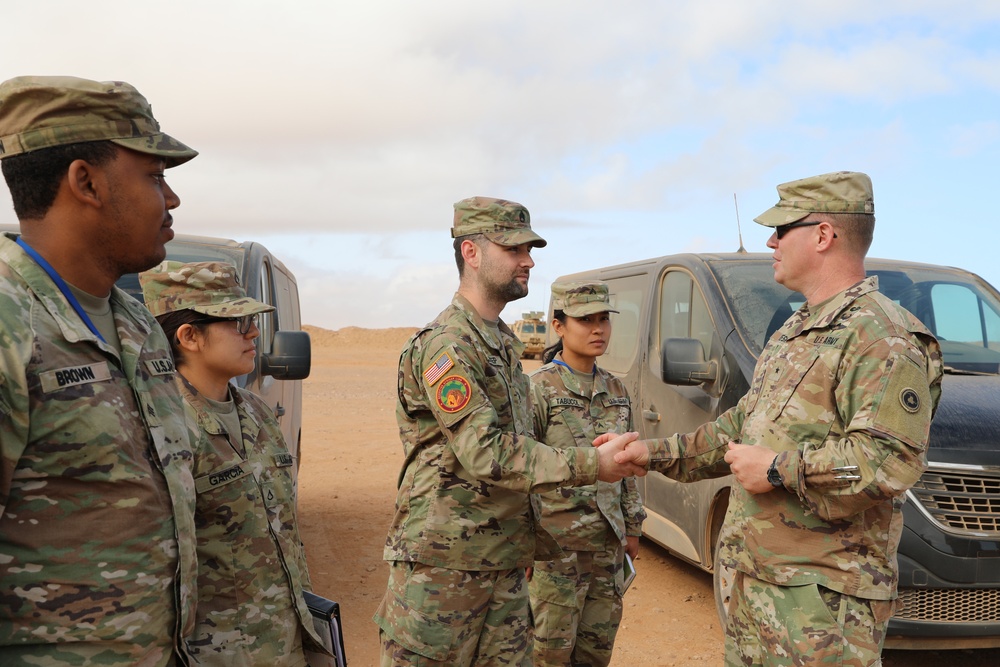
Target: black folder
x=326 y=620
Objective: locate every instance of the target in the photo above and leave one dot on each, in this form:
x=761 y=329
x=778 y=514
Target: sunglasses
x=243 y=324
x=781 y=230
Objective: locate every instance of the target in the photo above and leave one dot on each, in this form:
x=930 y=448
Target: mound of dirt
x=354 y=337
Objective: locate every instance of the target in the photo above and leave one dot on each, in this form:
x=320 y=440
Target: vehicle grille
x=953 y=605
x=964 y=501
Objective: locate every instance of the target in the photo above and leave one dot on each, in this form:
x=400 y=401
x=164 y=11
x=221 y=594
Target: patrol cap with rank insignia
x=579 y=299
x=838 y=192
x=503 y=222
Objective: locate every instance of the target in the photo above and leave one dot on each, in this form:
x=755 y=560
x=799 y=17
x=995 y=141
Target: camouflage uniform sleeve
x=463 y=406
x=886 y=403
x=13 y=410
x=699 y=455
x=539 y=409
x=632 y=508
x=886 y=397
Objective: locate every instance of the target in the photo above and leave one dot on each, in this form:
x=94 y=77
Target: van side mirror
x=290 y=357
x=683 y=362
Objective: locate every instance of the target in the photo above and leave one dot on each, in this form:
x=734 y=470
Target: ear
x=188 y=338
x=472 y=254
x=824 y=236
x=86 y=183
x=558 y=327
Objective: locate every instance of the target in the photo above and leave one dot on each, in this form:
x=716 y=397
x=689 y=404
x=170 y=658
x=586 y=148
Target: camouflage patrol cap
x=578 y=299
x=839 y=192
x=45 y=111
x=209 y=288
x=501 y=221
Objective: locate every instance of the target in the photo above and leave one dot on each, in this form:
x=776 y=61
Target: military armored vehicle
x=530 y=330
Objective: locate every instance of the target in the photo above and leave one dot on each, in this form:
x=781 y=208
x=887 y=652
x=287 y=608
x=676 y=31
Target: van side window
x=627 y=297
x=683 y=311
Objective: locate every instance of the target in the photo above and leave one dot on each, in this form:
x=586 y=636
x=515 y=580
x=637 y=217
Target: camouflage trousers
x=89 y=654
x=576 y=605
x=779 y=626
x=437 y=616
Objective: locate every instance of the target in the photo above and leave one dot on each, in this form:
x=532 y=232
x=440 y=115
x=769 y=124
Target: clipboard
x=326 y=620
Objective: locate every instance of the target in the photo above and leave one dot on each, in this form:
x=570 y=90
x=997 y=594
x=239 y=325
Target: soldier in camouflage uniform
x=463 y=532
x=97 y=554
x=824 y=445
x=576 y=598
x=251 y=562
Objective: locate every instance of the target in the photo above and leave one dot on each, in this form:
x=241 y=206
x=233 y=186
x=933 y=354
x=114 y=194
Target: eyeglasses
x=781 y=230
x=243 y=324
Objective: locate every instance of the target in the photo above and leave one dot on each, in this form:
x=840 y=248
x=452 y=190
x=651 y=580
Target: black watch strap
x=773 y=476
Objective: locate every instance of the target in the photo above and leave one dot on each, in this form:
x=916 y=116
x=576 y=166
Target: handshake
x=620 y=456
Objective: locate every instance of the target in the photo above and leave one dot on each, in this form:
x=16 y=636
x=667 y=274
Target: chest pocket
x=278 y=495
x=507 y=392
x=617 y=416
x=569 y=416
x=782 y=379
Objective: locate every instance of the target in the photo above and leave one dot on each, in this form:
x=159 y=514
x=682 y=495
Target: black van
x=722 y=308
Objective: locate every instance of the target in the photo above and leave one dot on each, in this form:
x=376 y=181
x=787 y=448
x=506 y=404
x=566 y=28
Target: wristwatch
x=773 y=476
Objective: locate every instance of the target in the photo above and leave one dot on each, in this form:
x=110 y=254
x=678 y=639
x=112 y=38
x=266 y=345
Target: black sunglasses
x=243 y=323
x=781 y=230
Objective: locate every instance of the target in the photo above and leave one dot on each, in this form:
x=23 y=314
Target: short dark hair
x=172 y=321
x=33 y=178
x=478 y=239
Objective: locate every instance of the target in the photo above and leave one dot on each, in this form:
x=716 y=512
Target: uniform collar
x=823 y=314
x=72 y=328
x=571 y=380
x=207 y=419
x=507 y=338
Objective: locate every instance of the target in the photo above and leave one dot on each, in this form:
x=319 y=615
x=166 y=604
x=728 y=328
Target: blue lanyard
x=61 y=284
x=564 y=364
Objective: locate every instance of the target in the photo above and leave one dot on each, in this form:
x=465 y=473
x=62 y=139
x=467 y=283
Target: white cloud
x=368 y=119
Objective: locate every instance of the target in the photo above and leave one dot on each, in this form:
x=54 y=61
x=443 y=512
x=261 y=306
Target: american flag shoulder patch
x=437 y=369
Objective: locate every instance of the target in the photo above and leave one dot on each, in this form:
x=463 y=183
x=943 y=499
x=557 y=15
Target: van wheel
x=722 y=583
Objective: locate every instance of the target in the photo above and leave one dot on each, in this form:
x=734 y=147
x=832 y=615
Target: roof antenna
x=739 y=230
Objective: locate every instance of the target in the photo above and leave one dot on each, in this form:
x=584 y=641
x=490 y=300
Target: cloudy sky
x=339 y=133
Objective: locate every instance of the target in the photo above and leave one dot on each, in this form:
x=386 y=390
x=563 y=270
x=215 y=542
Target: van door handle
x=651 y=415
x=279 y=410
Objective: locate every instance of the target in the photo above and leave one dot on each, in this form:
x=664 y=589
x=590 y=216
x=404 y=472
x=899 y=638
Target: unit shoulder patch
x=910 y=400
x=453 y=394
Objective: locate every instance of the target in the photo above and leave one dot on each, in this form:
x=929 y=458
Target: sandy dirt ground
x=350 y=461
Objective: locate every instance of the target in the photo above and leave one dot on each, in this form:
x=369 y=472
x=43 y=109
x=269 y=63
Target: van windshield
x=960 y=309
